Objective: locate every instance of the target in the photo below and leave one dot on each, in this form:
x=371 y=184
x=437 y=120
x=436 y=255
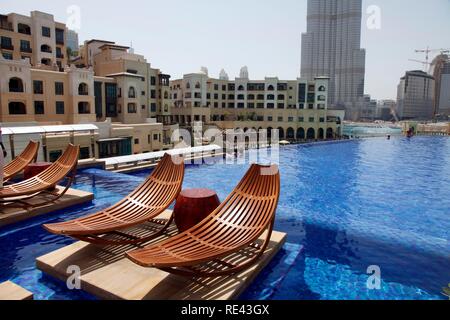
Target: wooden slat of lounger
x=236 y=223
x=50 y=177
x=146 y=202
x=19 y=163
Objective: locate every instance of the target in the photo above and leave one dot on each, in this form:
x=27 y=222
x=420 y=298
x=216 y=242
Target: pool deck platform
x=107 y=274
x=11 y=291
x=10 y=214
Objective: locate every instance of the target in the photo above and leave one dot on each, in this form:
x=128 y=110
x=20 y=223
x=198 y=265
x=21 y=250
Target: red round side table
x=193 y=205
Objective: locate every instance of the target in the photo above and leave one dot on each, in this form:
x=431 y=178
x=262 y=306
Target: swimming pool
x=349 y=205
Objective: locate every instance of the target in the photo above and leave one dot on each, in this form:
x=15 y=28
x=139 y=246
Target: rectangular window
x=153 y=81
x=291 y=119
x=59 y=107
x=25 y=46
x=301 y=119
x=6 y=43
x=59 y=88
x=84 y=153
x=322 y=120
x=136 y=141
x=59 y=53
x=153 y=94
x=153 y=107
x=311 y=119
x=38 y=87
x=302 y=93
x=46 y=32
x=98 y=99
x=39 y=107
x=111 y=99
x=269 y=118
x=280 y=119
x=155 y=137
x=59 y=35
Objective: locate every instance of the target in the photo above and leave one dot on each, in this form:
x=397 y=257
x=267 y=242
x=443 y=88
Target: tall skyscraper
x=415 y=96
x=331 y=47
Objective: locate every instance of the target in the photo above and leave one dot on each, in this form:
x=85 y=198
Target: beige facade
x=298 y=108
x=107 y=83
x=37 y=38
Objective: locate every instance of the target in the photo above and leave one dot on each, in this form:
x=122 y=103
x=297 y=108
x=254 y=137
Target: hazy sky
x=180 y=36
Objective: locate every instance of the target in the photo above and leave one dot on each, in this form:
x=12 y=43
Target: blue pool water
x=345 y=206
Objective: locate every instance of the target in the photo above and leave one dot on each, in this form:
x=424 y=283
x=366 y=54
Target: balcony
x=7 y=46
x=27 y=50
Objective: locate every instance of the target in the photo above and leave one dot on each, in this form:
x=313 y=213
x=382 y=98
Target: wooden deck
x=11 y=291
x=107 y=274
x=9 y=215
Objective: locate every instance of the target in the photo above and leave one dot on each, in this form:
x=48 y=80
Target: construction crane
x=427 y=52
x=425 y=63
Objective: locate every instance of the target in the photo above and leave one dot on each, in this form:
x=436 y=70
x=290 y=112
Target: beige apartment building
x=106 y=83
x=297 y=108
x=37 y=38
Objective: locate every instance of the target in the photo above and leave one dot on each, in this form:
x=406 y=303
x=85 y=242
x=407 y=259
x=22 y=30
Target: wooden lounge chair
x=65 y=167
x=19 y=163
x=224 y=242
x=144 y=204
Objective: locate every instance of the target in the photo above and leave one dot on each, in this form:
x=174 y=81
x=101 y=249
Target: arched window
x=270 y=88
x=321 y=133
x=241 y=88
x=281 y=133
x=131 y=93
x=300 y=134
x=23 y=28
x=281 y=97
x=46 y=48
x=84 y=108
x=322 y=88
x=166 y=95
x=15 y=85
x=330 y=134
x=83 y=89
x=197 y=85
x=17 y=108
x=290 y=133
x=311 y=134
x=188 y=85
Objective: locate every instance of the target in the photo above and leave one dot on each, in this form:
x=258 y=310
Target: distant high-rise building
x=415 y=96
x=72 y=41
x=440 y=70
x=332 y=47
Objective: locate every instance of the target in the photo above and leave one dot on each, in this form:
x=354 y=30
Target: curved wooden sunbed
x=145 y=203
x=232 y=229
x=64 y=167
x=28 y=155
